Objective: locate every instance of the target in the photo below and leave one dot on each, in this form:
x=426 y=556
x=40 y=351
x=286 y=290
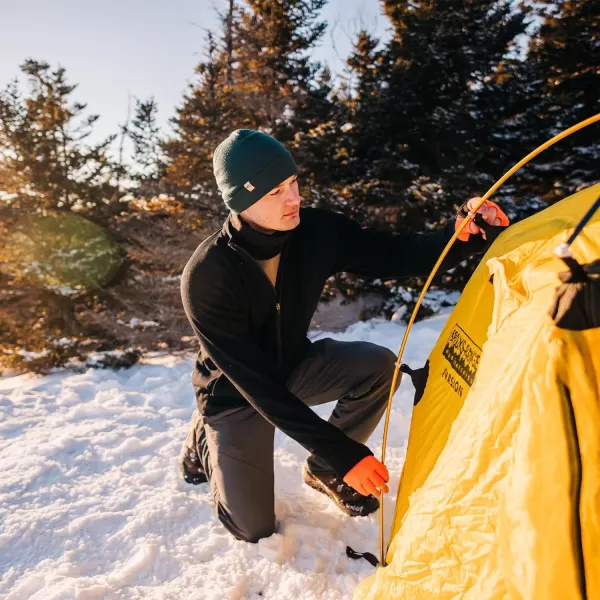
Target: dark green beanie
x=248 y=165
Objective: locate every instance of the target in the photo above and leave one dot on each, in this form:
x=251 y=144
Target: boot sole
x=193 y=478
x=316 y=484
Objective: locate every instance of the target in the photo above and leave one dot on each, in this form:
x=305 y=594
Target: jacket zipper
x=277 y=299
x=278 y=307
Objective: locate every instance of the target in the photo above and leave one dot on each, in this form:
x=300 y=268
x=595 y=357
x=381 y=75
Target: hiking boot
x=190 y=460
x=191 y=467
x=347 y=499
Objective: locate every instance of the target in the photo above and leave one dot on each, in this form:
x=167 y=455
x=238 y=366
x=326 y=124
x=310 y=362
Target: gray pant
x=236 y=446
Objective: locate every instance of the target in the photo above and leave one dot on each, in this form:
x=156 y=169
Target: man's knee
x=380 y=360
x=248 y=528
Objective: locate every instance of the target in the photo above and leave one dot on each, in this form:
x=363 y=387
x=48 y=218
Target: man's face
x=278 y=210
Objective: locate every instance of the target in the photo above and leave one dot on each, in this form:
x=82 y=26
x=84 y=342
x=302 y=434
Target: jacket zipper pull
x=278 y=320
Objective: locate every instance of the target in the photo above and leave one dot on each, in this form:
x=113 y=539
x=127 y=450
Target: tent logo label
x=463 y=354
x=453 y=381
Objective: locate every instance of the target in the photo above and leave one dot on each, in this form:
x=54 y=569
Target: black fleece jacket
x=252 y=333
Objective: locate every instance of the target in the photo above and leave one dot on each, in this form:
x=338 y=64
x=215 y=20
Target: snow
x=92 y=505
x=98 y=359
x=135 y=323
x=28 y=355
x=63 y=341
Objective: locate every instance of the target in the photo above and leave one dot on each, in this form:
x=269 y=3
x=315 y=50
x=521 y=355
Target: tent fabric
x=500 y=492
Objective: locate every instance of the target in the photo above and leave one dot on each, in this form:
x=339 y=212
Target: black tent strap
x=370 y=558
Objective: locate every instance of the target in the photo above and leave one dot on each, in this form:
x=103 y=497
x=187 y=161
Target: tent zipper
x=574 y=451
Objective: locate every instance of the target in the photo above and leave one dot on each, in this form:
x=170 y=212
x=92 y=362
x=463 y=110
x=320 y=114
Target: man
x=250 y=291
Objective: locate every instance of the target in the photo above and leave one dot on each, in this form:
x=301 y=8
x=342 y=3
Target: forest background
x=94 y=238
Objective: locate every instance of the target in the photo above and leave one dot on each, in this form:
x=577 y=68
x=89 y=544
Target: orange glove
x=368 y=476
x=492 y=214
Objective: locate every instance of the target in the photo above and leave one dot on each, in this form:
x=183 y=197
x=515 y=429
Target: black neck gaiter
x=261 y=246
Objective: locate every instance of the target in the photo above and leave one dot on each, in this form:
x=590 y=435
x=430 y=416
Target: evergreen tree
x=365 y=139
x=366 y=66
x=424 y=108
x=144 y=133
x=209 y=113
x=258 y=76
x=274 y=76
x=564 y=63
x=292 y=94
x=318 y=143
x=44 y=162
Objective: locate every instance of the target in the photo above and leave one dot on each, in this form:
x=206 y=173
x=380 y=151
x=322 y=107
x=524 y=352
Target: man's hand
x=368 y=476
x=492 y=214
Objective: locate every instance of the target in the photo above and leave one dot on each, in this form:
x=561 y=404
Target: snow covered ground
x=92 y=505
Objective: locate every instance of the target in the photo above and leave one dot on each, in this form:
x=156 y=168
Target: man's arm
x=221 y=326
x=372 y=253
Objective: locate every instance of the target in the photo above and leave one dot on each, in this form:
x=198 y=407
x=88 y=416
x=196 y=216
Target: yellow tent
x=500 y=492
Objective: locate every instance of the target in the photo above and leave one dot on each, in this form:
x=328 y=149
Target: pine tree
x=144 y=132
x=290 y=95
x=564 y=61
x=273 y=73
x=317 y=145
x=258 y=75
x=209 y=113
x=366 y=66
x=425 y=105
x=365 y=138
x=51 y=258
x=44 y=162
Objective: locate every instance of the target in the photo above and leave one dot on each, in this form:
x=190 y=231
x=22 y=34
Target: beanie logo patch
x=249 y=186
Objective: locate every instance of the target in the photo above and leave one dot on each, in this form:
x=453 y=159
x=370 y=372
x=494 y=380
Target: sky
x=117 y=49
